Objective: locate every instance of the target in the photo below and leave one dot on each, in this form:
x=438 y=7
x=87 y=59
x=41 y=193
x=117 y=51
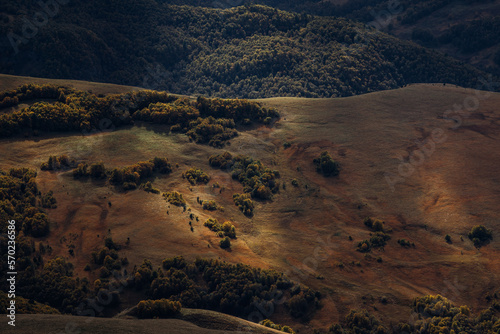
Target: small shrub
x=225 y=230
x=225 y=243
x=326 y=165
x=447 y=238
x=109 y=243
x=104 y=272
x=244 y=203
x=129 y=186
x=174 y=198
x=404 y=243
x=379 y=239
x=177 y=262
x=270 y=324
x=212 y=224
x=148 y=187
x=364 y=246
x=97 y=170
x=229 y=230
x=48 y=201
x=209 y=205
x=60 y=162
x=81 y=171
x=195 y=176
x=375 y=225
x=480 y=235
x=295 y=183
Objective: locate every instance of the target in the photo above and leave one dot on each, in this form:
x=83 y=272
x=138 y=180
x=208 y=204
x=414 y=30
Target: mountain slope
x=245 y=52
x=466 y=30
x=304 y=231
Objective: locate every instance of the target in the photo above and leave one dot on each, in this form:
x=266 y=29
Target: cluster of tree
x=270 y=324
x=58 y=162
x=202 y=121
x=258 y=180
x=434 y=314
x=244 y=203
x=128 y=177
x=48 y=200
x=406 y=243
x=148 y=187
x=26 y=92
x=376 y=225
x=358 y=321
x=213 y=131
x=210 y=205
x=235 y=289
x=480 y=235
x=52 y=283
x=195 y=176
x=174 y=198
x=302 y=300
x=55 y=286
x=326 y=165
x=161 y=308
x=25 y=306
x=377 y=240
x=227 y=229
x=239 y=110
x=96 y=170
x=76 y=110
x=439 y=315
x=178 y=114
x=248 y=51
x=107 y=259
x=211 y=121
x=18 y=201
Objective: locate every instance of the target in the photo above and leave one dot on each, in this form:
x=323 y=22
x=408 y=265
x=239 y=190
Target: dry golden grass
x=191 y=321
x=305 y=231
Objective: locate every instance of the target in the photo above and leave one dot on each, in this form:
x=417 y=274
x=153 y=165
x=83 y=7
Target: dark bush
x=326 y=165
x=480 y=235
x=175 y=198
x=225 y=243
x=162 y=308
x=195 y=175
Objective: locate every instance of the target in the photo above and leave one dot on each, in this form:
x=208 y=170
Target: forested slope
x=247 y=51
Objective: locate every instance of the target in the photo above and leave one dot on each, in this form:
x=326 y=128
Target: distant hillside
x=464 y=29
x=247 y=51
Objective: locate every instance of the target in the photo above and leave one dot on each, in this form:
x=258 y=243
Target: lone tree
x=225 y=243
x=326 y=165
x=480 y=235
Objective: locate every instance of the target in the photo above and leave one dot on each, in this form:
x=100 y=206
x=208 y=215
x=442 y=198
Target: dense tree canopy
x=248 y=51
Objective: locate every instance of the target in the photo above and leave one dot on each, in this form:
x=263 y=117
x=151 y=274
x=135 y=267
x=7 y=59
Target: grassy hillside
x=194 y=321
x=313 y=229
x=246 y=52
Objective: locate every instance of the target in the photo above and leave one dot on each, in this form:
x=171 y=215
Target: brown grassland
x=305 y=230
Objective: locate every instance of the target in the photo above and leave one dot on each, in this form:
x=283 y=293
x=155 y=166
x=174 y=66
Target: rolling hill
x=407 y=158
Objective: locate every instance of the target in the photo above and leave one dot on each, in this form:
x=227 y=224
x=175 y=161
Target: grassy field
x=191 y=321
x=305 y=230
